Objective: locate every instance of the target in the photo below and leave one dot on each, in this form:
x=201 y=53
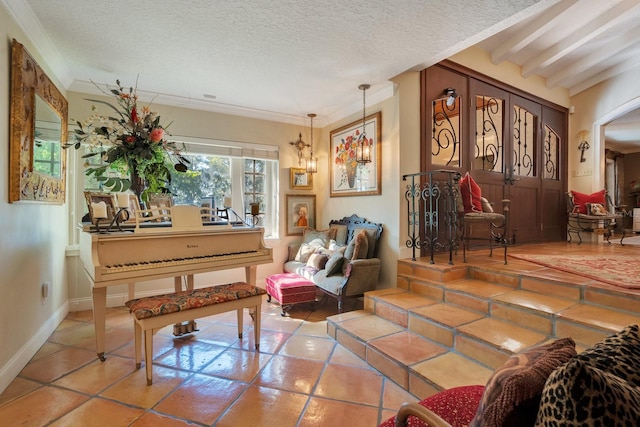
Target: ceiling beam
x=579 y=68
x=586 y=33
x=604 y=75
x=530 y=32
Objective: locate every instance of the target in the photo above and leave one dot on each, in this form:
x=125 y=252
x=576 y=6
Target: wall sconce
x=363 y=147
x=583 y=145
x=312 y=162
x=451 y=96
x=300 y=146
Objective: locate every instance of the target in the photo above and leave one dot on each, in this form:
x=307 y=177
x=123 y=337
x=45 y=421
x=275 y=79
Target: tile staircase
x=450 y=325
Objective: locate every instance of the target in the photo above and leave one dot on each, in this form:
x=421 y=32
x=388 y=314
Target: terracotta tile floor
x=300 y=377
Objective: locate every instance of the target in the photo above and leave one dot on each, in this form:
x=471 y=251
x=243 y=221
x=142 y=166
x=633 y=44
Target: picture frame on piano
x=133 y=208
x=95 y=197
x=158 y=201
x=301 y=213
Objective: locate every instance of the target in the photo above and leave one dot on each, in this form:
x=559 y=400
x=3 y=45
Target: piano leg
x=250 y=274
x=99 y=309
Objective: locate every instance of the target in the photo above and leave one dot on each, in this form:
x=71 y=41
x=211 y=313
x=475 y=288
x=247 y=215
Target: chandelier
x=363 y=148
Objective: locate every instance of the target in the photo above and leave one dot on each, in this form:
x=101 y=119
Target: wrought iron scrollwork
x=445 y=137
x=523 y=141
x=488 y=141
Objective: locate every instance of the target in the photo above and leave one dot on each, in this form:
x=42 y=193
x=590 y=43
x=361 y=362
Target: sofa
x=546 y=386
x=342 y=261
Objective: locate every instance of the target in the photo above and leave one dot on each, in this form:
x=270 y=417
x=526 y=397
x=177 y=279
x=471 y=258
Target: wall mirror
x=38 y=132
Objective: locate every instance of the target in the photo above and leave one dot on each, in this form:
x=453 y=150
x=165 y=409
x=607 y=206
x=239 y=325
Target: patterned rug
x=619 y=271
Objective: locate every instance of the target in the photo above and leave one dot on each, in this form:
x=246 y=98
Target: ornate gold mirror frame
x=26 y=181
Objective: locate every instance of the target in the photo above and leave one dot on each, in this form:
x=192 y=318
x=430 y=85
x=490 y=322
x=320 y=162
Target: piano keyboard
x=118 y=268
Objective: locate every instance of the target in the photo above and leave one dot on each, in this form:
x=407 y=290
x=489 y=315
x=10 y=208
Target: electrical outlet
x=45 y=290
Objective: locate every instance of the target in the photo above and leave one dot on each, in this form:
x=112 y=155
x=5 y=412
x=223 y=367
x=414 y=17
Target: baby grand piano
x=183 y=247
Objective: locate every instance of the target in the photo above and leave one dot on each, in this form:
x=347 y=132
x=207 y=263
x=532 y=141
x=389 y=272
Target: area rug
x=622 y=271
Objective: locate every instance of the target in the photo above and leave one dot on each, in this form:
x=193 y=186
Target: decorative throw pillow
x=317 y=260
x=471 y=194
x=361 y=247
x=580 y=200
x=318 y=237
x=578 y=394
x=618 y=354
x=596 y=209
x=334 y=264
x=305 y=252
x=456 y=406
x=340 y=233
x=513 y=392
x=486 y=206
x=348 y=252
x=371 y=239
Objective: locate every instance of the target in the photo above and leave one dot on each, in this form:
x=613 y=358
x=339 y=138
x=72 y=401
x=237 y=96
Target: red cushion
x=457 y=406
x=580 y=200
x=471 y=194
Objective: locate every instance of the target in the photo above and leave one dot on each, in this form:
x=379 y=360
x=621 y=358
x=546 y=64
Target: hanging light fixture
x=312 y=162
x=363 y=149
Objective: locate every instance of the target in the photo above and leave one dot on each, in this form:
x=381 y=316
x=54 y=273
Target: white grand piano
x=183 y=247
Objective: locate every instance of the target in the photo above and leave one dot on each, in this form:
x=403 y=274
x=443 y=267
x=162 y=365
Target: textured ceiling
x=278 y=59
x=283 y=59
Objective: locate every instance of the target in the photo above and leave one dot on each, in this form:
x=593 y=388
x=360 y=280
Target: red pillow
x=580 y=200
x=457 y=406
x=471 y=194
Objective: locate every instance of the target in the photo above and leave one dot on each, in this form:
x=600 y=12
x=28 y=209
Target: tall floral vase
x=138 y=184
x=352 y=169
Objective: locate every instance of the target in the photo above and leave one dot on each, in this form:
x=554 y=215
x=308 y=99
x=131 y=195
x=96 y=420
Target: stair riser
x=389 y=367
x=428 y=290
x=355 y=345
x=630 y=303
x=550 y=288
x=391 y=313
x=493 y=277
x=537 y=321
x=433 y=331
x=467 y=301
x=580 y=333
x=480 y=351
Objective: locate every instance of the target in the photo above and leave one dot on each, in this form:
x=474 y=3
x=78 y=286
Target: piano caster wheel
x=102 y=357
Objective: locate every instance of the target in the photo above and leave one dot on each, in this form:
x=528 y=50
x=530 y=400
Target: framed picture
x=160 y=203
x=301 y=213
x=133 y=208
x=348 y=177
x=101 y=205
x=300 y=179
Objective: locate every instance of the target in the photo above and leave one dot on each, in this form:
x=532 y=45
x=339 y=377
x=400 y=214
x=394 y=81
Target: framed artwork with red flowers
x=348 y=177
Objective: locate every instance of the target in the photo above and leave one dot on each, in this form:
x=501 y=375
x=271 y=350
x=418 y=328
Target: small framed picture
x=159 y=204
x=133 y=208
x=301 y=213
x=300 y=179
x=101 y=205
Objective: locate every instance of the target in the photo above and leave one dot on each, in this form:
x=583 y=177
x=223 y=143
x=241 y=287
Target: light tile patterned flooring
x=300 y=376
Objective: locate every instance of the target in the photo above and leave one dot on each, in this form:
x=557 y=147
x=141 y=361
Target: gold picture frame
x=96 y=197
x=38 y=132
x=346 y=176
x=300 y=214
x=300 y=179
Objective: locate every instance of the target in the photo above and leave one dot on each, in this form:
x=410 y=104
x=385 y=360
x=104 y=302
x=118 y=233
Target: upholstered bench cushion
x=289 y=288
x=143 y=308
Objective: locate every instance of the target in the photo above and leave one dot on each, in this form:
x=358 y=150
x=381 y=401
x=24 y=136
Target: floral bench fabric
x=146 y=307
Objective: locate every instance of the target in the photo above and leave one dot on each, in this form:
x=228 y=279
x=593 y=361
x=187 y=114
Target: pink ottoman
x=289 y=289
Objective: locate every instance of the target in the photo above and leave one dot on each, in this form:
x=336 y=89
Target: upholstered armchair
x=594 y=213
x=475 y=211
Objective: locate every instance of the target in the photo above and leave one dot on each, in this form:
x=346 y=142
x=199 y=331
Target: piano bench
x=155 y=312
x=289 y=289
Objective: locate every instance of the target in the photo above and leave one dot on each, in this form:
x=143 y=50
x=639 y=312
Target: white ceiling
x=283 y=59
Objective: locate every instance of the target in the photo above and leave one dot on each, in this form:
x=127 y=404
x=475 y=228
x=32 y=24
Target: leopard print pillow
x=578 y=394
x=618 y=354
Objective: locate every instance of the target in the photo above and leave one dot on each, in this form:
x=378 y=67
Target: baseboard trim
x=19 y=360
x=113 y=300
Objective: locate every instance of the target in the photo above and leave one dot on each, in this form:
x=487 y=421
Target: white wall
x=32 y=244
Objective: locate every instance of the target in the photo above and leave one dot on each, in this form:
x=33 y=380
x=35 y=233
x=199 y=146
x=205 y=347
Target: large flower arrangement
x=132 y=143
x=345 y=156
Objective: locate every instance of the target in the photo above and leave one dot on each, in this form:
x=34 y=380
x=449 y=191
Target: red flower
x=156 y=135
x=134 y=115
x=130 y=139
